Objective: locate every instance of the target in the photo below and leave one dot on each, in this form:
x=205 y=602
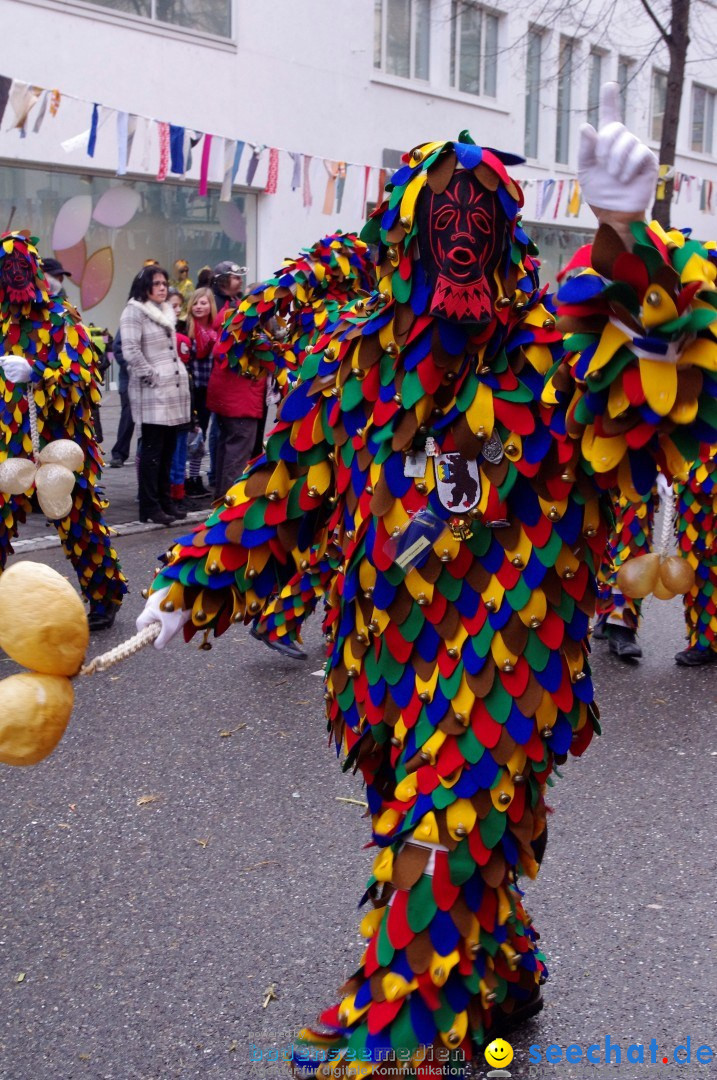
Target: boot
x=623 y=642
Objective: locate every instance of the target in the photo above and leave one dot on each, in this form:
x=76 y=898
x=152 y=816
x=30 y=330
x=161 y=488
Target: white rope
x=122 y=651
x=667 y=498
x=32 y=413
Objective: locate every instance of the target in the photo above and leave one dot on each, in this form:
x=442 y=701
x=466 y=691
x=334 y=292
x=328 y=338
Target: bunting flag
x=332 y=171
x=204 y=167
x=307 y=197
x=575 y=199
x=366 y=179
x=163 y=130
x=41 y=112
x=5 y=85
x=561 y=185
x=381 y=186
x=92 y=140
x=296 y=172
x=273 y=176
x=176 y=149
x=122 y=142
x=256 y=152
x=22 y=97
x=232 y=157
x=190 y=142
x=340 y=184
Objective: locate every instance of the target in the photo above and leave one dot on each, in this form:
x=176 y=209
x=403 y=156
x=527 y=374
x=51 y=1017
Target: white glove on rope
x=171 y=621
x=615 y=170
x=664 y=489
x=15 y=369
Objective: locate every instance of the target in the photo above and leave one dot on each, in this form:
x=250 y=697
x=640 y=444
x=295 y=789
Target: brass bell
x=508 y=667
x=417 y=156
x=445 y=554
x=453 y=653
x=304 y=564
x=460 y=717
x=397 y=398
x=405 y=223
x=421 y=488
x=213 y=568
x=422 y=599
x=200 y=616
x=350 y=534
x=549 y=324
x=569 y=575
x=546 y=732
x=330 y=352
x=439 y=973
x=238 y=617
x=491 y=604
x=554 y=513
x=167 y=606
x=229 y=500
x=352 y=673
x=653 y=298
x=254 y=607
x=368 y=593
x=453 y=1037
x=313 y=493
x=373 y=626
x=518 y=779
x=504 y=798
x=503 y=302
x=424 y=696
x=391 y=252
x=395 y=741
x=518 y=562
x=251 y=573
x=369 y=489
x=535 y=622
x=460 y=830
x=273 y=496
x=145 y=593
x=392 y=348
x=590 y=531
x=511 y=449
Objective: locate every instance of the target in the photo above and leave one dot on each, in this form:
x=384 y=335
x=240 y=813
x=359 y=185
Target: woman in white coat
x=158 y=389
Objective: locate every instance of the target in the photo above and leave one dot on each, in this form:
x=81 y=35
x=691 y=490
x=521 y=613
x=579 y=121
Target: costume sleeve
x=285 y=504
x=637 y=388
x=245 y=339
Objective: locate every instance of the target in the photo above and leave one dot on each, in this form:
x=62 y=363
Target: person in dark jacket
x=125 y=430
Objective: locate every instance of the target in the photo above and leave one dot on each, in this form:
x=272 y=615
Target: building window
x=532 y=92
x=594 y=84
x=205 y=16
x=565 y=76
x=658 y=96
x=624 y=77
x=474 y=49
x=703 y=115
x=402 y=38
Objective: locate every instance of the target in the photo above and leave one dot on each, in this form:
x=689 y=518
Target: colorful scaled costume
x=48 y=333
x=460 y=455
x=300 y=300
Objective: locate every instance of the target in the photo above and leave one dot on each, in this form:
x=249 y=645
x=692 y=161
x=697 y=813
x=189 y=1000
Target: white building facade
x=324 y=95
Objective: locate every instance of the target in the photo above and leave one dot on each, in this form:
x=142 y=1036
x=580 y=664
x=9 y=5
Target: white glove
x=171 y=621
x=15 y=369
x=615 y=170
x=664 y=489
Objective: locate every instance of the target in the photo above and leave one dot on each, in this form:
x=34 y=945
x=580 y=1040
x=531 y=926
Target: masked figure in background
x=459 y=447
x=272 y=331
x=48 y=371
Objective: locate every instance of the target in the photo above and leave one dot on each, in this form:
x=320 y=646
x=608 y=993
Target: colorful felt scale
x=49 y=334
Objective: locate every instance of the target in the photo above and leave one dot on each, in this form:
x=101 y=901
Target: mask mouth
x=462 y=259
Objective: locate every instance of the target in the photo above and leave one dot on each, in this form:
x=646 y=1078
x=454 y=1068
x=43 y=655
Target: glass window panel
x=129 y=7
x=698 y=118
x=490 y=58
x=454 y=39
x=172 y=222
x=594 y=84
x=470 y=46
x=657 y=104
x=377 y=32
x=565 y=73
x=709 y=122
x=532 y=93
x=208 y=16
x=422 y=42
x=623 y=78
x=398 y=38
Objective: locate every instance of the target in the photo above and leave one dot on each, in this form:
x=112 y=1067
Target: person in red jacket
x=238 y=402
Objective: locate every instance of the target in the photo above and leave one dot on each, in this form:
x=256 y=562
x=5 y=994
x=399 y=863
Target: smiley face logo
x=499 y=1053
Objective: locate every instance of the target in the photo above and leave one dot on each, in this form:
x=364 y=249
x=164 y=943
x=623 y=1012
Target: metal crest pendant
x=493 y=451
x=457 y=482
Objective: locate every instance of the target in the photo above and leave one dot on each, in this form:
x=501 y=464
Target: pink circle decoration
x=117 y=207
x=72 y=222
x=97 y=278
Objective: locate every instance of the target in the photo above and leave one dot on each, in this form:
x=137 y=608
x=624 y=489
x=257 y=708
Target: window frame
x=535 y=36
x=98 y=12
x=657 y=73
x=564 y=99
x=486 y=12
x=596 y=56
x=381 y=54
x=626 y=64
x=708 y=119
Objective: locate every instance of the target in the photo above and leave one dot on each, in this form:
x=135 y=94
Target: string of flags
x=27 y=107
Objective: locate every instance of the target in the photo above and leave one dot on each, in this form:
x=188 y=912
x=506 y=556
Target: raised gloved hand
x=663 y=487
x=616 y=171
x=171 y=621
x=16 y=369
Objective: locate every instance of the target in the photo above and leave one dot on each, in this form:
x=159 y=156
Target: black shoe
x=623 y=642
x=195 y=489
x=175 y=511
x=116 y=463
x=506 y=1022
x=159 y=517
x=599 y=628
x=102 y=620
x=286 y=648
x=695 y=657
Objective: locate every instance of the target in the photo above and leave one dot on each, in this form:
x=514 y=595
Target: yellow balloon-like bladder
x=43 y=625
x=35 y=711
x=637 y=578
x=677 y=574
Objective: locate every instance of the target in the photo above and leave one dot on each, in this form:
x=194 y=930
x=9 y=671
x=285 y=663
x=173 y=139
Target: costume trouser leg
x=155 y=462
x=120 y=450
x=287 y=612
x=697 y=540
x=631 y=537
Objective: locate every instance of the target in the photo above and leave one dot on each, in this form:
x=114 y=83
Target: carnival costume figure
x=460 y=446
x=48 y=388
x=272 y=332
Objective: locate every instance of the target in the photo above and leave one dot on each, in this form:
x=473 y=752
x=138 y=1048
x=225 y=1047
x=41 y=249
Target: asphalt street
x=193 y=843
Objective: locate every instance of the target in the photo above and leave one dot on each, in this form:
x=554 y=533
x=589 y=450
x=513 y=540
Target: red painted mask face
x=17 y=278
x=461 y=233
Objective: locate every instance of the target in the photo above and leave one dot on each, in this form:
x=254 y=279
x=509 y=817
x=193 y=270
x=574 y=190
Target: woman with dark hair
x=158 y=388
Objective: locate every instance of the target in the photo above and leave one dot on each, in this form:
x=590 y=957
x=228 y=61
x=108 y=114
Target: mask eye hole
x=444 y=218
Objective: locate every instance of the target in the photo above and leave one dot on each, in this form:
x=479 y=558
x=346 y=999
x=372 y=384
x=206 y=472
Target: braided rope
x=122 y=651
x=32 y=414
x=668 y=522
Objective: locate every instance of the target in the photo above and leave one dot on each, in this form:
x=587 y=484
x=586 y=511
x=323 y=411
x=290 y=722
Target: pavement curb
x=126 y=528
